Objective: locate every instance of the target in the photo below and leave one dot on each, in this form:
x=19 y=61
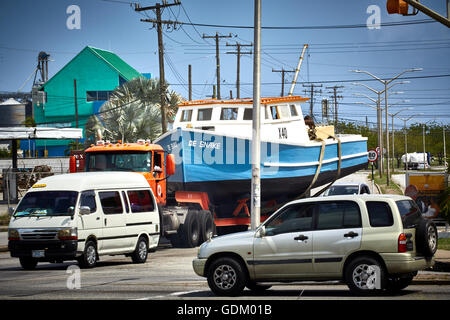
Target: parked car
x=83 y=216
x=343 y=188
x=371 y=242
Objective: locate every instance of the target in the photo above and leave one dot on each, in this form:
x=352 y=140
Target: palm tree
x=132 y=112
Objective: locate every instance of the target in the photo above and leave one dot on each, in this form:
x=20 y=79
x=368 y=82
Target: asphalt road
x=168 y=275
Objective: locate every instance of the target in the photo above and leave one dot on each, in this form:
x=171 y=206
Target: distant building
x=97 y=73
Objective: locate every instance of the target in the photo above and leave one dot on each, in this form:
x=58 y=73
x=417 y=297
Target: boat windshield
x=139 y=161
x=47 y=203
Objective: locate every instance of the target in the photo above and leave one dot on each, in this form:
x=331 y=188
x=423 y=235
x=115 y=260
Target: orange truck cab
x=143 y=157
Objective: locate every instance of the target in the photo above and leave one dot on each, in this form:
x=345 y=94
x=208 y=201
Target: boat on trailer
x=211 y=140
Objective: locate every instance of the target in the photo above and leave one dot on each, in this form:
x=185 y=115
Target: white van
x=83 y=216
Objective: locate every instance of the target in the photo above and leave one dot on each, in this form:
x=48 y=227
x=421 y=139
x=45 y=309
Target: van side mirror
x=85 y=210
x=11 y=211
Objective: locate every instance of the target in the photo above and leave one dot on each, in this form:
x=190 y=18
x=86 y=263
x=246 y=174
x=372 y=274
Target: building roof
x=114 y=61
x=125 y=70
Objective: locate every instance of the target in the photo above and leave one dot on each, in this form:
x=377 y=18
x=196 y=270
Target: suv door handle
x=351 y=234
x=301 y=237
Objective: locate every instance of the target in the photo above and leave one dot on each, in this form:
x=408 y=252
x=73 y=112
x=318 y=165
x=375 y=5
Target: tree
x=132 y=112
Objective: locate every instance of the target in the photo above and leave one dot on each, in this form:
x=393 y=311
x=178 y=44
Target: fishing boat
x=211 y=140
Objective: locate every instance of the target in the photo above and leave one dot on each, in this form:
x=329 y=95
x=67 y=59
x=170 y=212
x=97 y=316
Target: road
x=168 y=275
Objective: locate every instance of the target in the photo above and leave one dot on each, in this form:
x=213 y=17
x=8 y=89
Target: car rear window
x=380 y=214
x=409 y=212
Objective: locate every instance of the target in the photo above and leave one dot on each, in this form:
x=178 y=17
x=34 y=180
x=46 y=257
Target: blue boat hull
x=221 y=165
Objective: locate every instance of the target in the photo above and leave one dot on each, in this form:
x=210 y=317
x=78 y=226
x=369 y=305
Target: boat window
x=186 y=115
x=229 y=114
x=284 y=112
x=293 y=110
x=248 y=114
x=204 y=114
x=274 y=112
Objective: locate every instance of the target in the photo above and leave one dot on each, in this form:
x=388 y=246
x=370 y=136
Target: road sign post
x=372 y=156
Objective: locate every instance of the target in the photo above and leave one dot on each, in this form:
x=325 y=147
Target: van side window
x=338 y=215
x=380 y=214
x=111 y=202
x=141 y=201
x=87 y=199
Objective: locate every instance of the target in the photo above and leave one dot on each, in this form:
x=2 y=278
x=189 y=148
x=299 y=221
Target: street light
x=423 y=140
x=386 y=82
x=393 y=141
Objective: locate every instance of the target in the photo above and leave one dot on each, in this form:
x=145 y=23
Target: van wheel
x=426 y=238
x=206 y=225
x=89 y=257
x=365 y=275
x=28 y=263
x=226 y=277
x=140 y=254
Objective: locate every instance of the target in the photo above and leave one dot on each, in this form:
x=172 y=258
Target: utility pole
x=335 y=97
x=238 y=54
x=217 y=37
x=312 y=91
x=282 y=78
x=190 y=81
x=76 y=103
x=256 y=123
x=162 y=82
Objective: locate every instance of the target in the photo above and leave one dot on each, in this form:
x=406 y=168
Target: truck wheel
x=89 y=257
x=190 y=230
x=141 y=252
x=226 y=277
x=426 y=238
x=28 y=263
x=365 y=275
x=206 y=225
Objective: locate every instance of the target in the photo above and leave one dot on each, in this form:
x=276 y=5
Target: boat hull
x=221 y=165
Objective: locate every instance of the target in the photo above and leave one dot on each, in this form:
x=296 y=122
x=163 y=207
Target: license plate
x=38 y=253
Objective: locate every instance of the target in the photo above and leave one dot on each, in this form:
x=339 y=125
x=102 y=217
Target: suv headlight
x=68 y=234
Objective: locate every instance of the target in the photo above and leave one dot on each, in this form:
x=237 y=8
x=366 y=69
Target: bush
x=444 y=204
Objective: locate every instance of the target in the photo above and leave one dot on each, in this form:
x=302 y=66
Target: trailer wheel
x=206 y=225
x=189 y=231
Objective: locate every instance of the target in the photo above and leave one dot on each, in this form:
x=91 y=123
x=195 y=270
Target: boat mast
x=298 y=69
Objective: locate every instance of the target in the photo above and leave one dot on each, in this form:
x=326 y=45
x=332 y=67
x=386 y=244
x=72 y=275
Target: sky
x=28 y=27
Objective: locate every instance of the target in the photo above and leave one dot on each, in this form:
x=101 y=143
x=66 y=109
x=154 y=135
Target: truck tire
x=189 y=231
x=426 y=238
x=28 y=263
x=206 y=225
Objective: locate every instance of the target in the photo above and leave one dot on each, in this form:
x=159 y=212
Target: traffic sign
x=372 y=155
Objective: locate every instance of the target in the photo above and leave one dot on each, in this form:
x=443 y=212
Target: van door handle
x=98 y=218
x=105 y=221
x=301 y=238
x=351 y=234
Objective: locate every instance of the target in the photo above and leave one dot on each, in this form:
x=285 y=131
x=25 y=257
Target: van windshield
x=47 y=203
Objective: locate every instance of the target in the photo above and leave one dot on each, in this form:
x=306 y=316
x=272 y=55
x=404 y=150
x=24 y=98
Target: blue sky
x=27 y=27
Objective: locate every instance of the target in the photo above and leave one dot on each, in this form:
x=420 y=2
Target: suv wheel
x=427 y=238
x=365 y=275
x=226 y=277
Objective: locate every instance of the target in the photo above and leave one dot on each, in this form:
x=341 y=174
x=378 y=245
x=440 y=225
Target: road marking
x=173 y=294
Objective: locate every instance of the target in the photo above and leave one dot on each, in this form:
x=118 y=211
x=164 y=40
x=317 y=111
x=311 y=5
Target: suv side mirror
x=85 y=210
x=261 y=232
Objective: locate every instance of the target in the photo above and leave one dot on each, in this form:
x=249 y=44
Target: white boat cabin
x=281 y=118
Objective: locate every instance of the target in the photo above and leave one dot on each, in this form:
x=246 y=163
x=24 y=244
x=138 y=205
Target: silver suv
x=371 y=242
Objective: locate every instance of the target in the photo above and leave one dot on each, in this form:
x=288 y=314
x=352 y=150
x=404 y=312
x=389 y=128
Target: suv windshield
x=119 y=161
x=47 y=203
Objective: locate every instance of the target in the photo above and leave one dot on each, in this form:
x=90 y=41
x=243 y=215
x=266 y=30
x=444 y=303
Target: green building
x=96 y=74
